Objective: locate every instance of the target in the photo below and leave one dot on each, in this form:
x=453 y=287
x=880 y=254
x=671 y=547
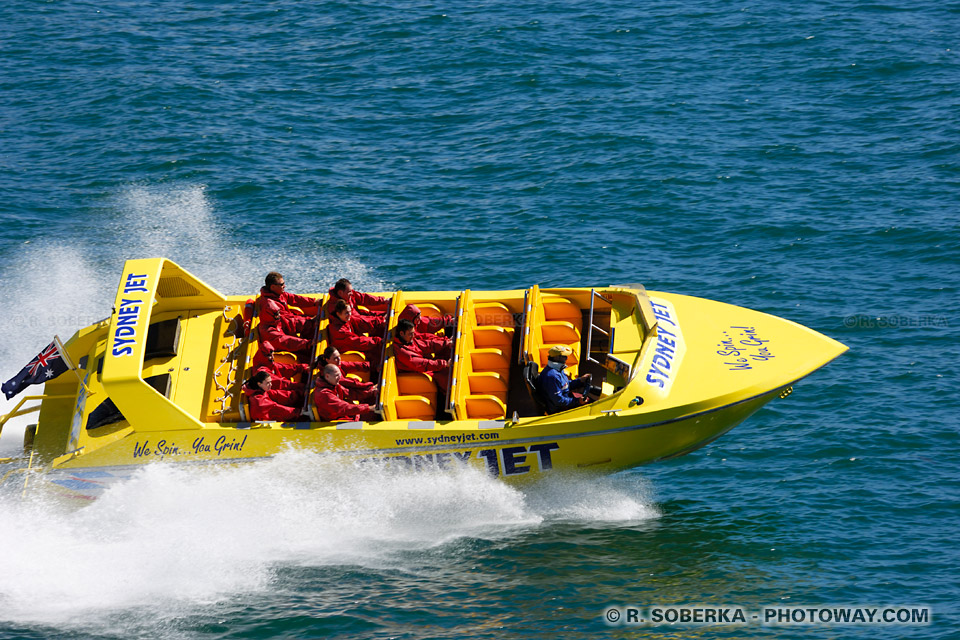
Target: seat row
x=483 y=356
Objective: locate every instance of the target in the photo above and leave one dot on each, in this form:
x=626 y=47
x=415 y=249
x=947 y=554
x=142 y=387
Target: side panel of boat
x=513 y=454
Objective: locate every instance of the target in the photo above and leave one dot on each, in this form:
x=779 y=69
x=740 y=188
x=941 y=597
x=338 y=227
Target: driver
x=556 y=387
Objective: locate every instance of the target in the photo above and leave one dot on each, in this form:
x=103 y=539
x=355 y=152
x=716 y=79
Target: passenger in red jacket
x=439 y=345
x=346 y=334
x=285 y=376
x=267 y=403
x=333 y=399
x=360 y=391
x=415 y=354
x=275 y=336
x=331 y=355
x=376 y=305
x=275 y=308
x=427 y=325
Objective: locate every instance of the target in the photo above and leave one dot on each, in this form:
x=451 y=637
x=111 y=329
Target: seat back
x=481 y=372
x=530 y=374
x=318 y=343
x=429 y=310
x=404 y=396
x=244 y=407
x=551 y=320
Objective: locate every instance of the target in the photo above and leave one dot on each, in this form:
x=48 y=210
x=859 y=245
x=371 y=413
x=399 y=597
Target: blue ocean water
x=800 y=159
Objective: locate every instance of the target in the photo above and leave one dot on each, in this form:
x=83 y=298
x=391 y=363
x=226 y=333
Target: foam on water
x=56 y=288
x=172 y=539
x=180 y=223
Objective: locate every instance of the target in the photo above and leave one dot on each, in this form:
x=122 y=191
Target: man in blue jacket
x=556 y=387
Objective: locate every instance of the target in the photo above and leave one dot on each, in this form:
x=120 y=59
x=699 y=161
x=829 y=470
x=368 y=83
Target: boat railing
x=229 y=372
x=18 y=412
x=525 y=335
x=593 y=327
x=456 y=361
x=311 y=376
x=530 y=298
x=252 y=343
x=384 y=381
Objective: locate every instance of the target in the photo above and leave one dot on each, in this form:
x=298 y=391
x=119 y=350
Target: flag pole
x=70 y=365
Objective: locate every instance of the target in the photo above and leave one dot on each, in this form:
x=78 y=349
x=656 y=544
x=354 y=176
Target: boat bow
x=707 y=354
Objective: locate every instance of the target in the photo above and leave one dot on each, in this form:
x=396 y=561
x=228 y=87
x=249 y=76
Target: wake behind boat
x=161 y=380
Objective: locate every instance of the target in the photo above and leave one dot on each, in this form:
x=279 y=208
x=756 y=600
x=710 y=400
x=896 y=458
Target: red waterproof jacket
x=417 y=356
x=281 y=369
x=359 y=391
x=436 y=344
x=348 y=366
x=433 y=325
x=275 y=309
x=280 y=340
x=376 y=304
x=346 y=336
x=276 y=404
x=332 y=402
x=354 y=366
x=281 y=383
x=425 y=325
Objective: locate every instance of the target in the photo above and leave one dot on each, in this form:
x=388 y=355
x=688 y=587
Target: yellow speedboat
x=160 y=380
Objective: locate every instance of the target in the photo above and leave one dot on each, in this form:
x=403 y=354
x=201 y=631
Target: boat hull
x=162 y=381
x=616 y=442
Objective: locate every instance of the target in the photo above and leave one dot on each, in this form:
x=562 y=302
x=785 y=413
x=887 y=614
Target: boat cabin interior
x=498 y=334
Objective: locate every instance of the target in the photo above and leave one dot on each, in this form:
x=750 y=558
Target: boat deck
x=497 y=334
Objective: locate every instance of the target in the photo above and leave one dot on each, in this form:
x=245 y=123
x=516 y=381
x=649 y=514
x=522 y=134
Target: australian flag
x=49 y=364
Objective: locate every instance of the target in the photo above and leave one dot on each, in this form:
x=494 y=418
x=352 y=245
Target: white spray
x=175 y=539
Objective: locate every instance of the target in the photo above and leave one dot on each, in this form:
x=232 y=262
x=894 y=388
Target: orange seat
x=485 y=407
x=562 y=309
x=428 y=310
x=414 y=408
x=417 y=384
x=493 y=337
x=491 y=359
x=493 y=314
x=488 y=383
x=560 y=332
x=284 y=358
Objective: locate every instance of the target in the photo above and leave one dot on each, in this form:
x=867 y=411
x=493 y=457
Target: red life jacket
x=275 y=309
x=332 y=402
x=375 y=304
x=276 y=404
x=417 y=356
